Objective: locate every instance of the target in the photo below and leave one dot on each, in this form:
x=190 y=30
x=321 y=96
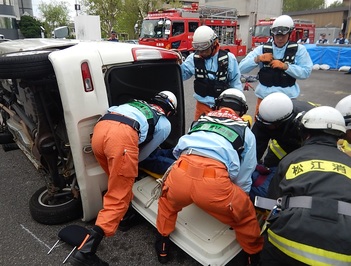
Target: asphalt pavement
x=25 y=242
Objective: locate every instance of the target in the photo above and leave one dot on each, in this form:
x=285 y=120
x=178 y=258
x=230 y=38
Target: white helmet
x=282 y=25
x=167 y=101
x=326 y=118
x=233 y=99
x=277 y=107
x=204 y=37
x=344 y=107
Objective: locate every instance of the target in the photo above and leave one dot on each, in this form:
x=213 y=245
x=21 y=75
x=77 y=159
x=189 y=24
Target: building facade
x=249 y=12
x=329 y=21
x=10 y=14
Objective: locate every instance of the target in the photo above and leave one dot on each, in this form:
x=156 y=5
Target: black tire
x=25 y=65
x=65 y=209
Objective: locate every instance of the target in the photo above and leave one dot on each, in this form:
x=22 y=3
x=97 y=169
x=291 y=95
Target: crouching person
x=115 y=142
x=214 y=164
x=313 y=184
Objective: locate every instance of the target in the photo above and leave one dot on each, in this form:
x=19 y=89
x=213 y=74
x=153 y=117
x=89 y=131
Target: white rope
x=157 y=190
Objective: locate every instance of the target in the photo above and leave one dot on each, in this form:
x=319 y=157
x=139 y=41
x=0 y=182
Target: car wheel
x=27 y=65
x=61 y=209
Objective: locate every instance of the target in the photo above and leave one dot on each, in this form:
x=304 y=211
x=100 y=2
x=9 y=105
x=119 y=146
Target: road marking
x=35 y=237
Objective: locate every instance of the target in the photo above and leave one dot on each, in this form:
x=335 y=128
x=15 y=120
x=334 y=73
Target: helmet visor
x=280 y=30
x=201 y=46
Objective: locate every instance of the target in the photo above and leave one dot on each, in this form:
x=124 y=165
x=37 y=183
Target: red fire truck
x=262 y=33
x=174 y=28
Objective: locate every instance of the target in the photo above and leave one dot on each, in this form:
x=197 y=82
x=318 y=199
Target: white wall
x=87 y=28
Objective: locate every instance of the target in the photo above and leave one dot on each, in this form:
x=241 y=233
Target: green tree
x=298 y=5
x=128 y=17
x=109 y=12
x=54 y=14
x=30 y=27
x=336 y=4
x=120 y=15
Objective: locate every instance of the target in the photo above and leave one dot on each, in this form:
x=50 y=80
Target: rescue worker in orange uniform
x=277 y=132
x=215 y=70
x=115 y=143
x=313 y=220
x=213 y=170
x=344 y=107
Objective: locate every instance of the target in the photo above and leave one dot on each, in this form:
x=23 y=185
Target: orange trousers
x=200 y=109
x=115 y=146
x=205 y=182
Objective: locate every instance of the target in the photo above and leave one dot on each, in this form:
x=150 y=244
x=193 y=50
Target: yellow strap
x=151 y=173
x=276 y=149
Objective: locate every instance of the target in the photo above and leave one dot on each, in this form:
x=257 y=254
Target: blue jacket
x=221 y=149
x=162 y=128
x=301 y=69
x=211 y=64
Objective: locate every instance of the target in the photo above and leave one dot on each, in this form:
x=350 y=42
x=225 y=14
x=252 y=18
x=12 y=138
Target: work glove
x=278 y=64
x=264 y=58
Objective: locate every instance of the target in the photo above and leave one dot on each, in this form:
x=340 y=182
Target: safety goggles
x=201 y=46
x=280 y=30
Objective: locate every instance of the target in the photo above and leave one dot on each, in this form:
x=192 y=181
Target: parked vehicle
x=174 y=28
x=132 y=41
x=52 y=93
x=262 y=31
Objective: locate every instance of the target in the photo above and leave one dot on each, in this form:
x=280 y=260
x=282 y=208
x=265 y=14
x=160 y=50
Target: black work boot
x=162 y=248
x=85 y=256
x=130 y=219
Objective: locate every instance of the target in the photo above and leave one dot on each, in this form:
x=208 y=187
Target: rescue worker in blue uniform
x=277 y=132
x=215 y=70
x=281 y=62
x=213 y=170
x=313 y=184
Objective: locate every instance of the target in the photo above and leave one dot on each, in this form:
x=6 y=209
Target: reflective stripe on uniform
x=308 y=254
x=276 y=149
x=297 y=169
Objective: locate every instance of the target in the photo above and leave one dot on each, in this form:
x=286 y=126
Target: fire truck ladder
x=225 y=34
x=218 y=12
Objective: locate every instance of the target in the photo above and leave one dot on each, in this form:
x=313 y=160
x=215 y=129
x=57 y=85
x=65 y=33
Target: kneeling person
x=116 y=144
x=213 y=170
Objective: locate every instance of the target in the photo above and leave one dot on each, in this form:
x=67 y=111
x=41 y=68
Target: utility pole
x=77 y=7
